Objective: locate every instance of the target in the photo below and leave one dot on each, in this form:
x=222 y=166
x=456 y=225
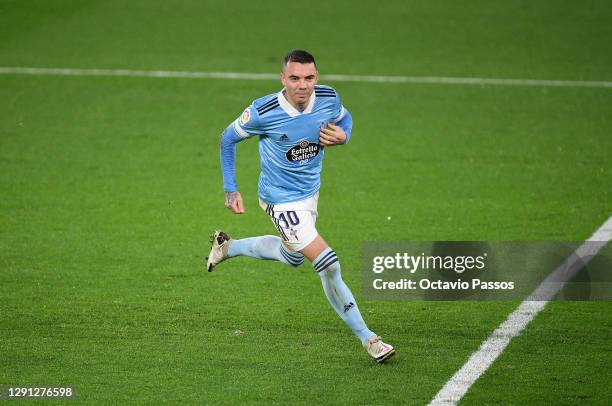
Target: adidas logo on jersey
x=284 y=138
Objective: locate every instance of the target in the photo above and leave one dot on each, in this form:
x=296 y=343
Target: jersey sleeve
x=229 y=139
x=245 y=126
x=339 y=110
x=342 y=118
x=248 y=124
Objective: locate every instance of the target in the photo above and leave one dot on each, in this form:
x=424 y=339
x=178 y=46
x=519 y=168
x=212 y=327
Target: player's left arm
x=338 y=131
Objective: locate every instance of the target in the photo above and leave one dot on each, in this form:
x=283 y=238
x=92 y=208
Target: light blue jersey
x=291 y=157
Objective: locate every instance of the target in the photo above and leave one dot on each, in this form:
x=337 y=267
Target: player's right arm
x=242 y=128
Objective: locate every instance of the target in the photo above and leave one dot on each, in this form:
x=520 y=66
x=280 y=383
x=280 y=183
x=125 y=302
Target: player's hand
x=332 y=135
x=233 y=201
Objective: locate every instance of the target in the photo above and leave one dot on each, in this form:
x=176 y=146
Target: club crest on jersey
x=245 y=117
x=302 y=153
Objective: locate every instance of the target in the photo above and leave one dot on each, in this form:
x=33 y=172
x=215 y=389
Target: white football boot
x=379 y=350
x=218 y=253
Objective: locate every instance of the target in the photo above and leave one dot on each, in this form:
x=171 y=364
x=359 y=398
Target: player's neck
x=298 y=106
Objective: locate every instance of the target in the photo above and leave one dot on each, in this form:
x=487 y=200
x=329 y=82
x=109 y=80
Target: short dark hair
x=299 y=56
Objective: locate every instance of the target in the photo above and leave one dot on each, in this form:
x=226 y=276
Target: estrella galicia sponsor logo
x=303 y=153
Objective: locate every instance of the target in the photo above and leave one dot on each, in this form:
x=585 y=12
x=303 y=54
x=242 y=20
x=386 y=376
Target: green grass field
x=111 y=187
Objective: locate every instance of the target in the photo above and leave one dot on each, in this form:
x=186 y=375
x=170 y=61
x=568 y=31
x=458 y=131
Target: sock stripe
x=327 y=265
x=321 y=266
x=291 y=253
x=286 y=257
x=295 y=255
x=292 y=261
x=324 y=264
x=320 y=260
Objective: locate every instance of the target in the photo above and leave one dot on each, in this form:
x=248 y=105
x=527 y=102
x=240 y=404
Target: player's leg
x=285 y=219
x=263 y=247
x=326 y=263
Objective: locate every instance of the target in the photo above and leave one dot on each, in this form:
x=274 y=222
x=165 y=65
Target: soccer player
x=293 y=126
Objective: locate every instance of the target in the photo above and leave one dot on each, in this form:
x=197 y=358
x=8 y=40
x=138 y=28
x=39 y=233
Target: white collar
x=292 y=111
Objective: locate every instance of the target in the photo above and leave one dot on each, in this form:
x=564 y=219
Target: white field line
x=275 y=76
x=516 y=322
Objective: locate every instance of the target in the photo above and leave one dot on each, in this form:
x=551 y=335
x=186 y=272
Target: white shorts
x=294 y=221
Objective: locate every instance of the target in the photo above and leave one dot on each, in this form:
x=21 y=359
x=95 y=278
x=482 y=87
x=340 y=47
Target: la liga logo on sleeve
x=245 y=117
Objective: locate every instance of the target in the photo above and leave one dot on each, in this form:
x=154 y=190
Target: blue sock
x=339 y=295
x=265 y=247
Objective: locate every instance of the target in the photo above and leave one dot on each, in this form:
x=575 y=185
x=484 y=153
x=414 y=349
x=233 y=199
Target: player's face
x=299 y=80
